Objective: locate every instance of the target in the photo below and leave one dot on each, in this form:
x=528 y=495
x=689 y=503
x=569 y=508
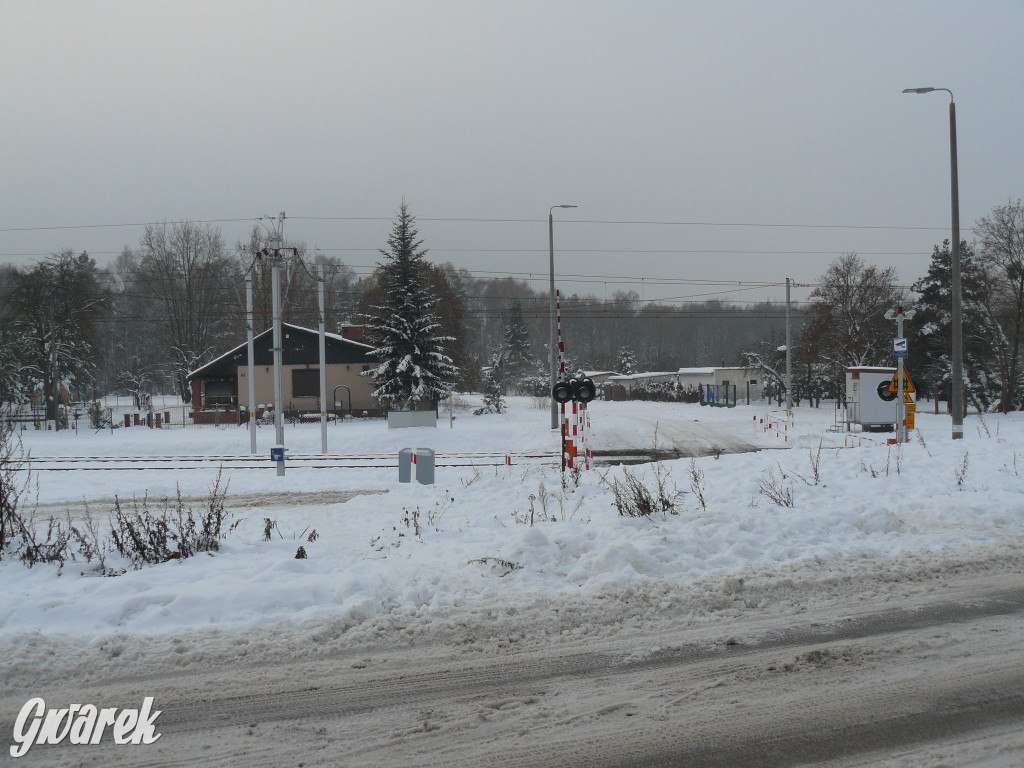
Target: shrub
x=173 y=532
x=99 y=417
x=140 y=534
x=777 y=488
x=634 y=499
x=14 y=481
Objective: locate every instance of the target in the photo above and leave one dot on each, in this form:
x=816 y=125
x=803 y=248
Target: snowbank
x=420 y=554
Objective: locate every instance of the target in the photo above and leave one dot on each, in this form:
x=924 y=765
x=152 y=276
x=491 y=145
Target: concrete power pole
x=956 y=398
x=323 y=361
x=789 y=356
x=275 y=287
x=252 y=363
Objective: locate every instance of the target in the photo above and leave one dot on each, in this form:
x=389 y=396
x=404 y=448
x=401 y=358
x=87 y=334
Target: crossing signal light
x=562 y=392
x=579 y=390
x=584 y=390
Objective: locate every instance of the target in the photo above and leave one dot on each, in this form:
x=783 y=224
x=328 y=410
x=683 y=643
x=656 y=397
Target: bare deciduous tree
x=847 y=325
x=186 y=277
x=1001 y=238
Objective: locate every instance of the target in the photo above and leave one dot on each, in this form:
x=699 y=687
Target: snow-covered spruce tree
x=627 y=361
x=931 y=331
x=414 y=367
x=516 y=344
x=494 y=383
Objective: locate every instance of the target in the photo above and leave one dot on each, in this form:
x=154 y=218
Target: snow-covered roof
x=636 y=376
x=284 y=326
x=697 y=371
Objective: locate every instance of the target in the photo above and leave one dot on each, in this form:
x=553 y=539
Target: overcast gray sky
x=727 y=113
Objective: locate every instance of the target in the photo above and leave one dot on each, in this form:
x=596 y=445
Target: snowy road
x=931 y=667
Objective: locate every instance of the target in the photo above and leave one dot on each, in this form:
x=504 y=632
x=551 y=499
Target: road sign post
x=899 y=351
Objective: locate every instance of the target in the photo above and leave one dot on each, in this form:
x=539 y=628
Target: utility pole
x=957 y=395
x=323 y=362
x=276 y=261
x=252 y=363
x=789 y=356
x=275 y=289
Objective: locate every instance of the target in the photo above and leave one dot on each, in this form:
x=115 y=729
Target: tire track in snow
x=884 y=679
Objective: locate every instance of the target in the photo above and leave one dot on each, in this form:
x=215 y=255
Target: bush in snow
x=173 y=532
x=778 y=489
x=19 y=533
x=13 y=483
x=99 y=417
x=141 y=535
x=632 y=498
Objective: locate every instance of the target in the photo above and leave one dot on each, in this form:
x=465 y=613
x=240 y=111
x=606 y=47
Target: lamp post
x=551 y=346
x=956 y=399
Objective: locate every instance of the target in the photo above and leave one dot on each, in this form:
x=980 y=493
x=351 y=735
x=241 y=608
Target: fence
x=719 y=395
x=120 y=413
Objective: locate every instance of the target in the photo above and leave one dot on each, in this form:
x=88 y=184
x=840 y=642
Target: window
x=305 y=382
x=219 y=394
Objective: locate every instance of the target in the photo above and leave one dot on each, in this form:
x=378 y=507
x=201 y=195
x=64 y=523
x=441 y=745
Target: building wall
x=740 y=377
x=694 y=378
x=339 y=373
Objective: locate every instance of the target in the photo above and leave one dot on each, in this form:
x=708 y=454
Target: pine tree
x=931 y=330
x=414 y=367
x=627 y=361
x=494 y=386
x=515 y=351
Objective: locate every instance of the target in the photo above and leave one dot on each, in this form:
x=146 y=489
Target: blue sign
x=899 y=347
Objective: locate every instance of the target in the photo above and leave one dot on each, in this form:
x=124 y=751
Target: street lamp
x=957 y=396
x=551 y=347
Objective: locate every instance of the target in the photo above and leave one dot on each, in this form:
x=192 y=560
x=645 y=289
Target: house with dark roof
x=220 y=388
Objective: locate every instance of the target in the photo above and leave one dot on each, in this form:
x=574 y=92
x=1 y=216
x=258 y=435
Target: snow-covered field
x=475 y=544
x=393 y=644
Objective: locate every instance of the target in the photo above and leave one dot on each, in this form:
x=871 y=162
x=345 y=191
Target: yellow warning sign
x=908 y=385
x=910 y=420
x=907 y=398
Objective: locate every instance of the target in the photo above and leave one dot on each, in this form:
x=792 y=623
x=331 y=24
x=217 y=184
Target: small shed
x=869 y=402
x=628 y=381
x=692 y=378
x=746 y=380
x=599 y=377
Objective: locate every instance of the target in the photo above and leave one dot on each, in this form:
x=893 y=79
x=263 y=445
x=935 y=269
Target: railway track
x=295 y=461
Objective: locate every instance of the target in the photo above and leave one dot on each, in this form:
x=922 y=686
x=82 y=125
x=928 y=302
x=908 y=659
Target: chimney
x=352 y=332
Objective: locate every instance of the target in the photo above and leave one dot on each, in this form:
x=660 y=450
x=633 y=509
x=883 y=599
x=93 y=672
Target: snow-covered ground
x=483 y=639
x=475 y=544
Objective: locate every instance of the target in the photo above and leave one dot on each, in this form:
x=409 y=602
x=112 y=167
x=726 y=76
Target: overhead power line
x=635 y=222
x=118 y=226
x=483 y=220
